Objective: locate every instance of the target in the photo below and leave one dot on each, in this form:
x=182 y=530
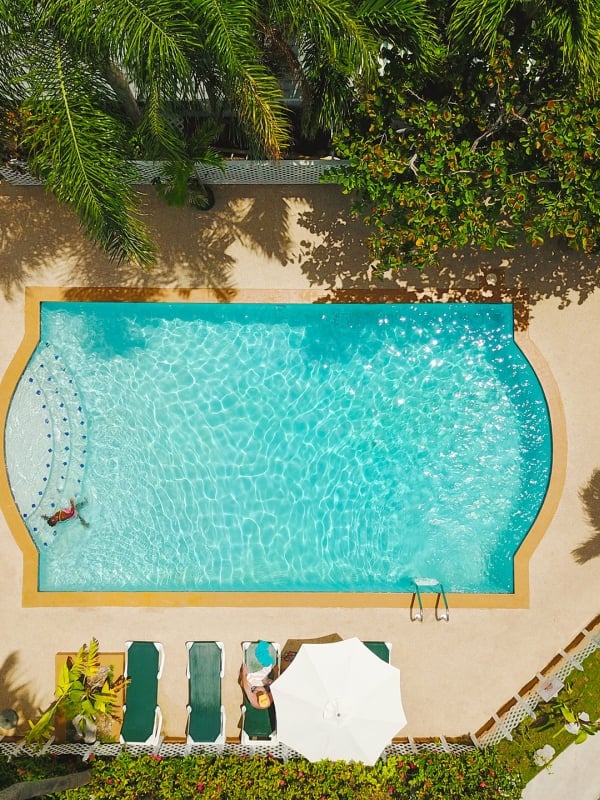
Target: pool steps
x=65 y=439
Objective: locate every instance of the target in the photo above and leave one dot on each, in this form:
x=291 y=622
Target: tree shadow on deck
x=41 y=241
x=590 y=498
x=254 y=229
x=14 y=691
x=340 y=260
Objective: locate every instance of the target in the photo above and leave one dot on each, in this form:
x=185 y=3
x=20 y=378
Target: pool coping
x=487 y=293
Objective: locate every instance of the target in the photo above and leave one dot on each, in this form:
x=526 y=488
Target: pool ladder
x=429 y=585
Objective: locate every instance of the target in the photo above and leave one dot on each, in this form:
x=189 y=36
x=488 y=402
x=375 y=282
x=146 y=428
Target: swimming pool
x=278 y=448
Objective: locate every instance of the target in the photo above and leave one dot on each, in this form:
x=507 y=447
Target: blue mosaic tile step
x=46 y=440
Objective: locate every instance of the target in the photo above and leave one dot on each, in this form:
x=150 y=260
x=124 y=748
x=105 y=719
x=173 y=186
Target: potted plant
x=86 y=699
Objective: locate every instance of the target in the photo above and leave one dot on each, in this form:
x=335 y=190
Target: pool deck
x=269 y=239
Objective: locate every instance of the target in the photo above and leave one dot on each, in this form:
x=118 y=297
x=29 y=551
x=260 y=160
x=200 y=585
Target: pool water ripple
x=298 y=448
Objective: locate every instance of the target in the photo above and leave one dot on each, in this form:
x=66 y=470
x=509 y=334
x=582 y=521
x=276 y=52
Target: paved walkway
x=302 y=238
x=574 y=773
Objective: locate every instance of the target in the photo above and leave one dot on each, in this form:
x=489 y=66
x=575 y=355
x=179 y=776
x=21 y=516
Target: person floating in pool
x=64 y=514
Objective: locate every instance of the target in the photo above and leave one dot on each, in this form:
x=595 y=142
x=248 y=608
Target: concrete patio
x=453 y=675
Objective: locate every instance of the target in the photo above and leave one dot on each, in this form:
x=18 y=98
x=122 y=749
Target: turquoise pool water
x=278 y=447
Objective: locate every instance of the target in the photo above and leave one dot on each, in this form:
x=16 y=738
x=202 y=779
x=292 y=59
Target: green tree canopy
x=85 y=84
x=501 y=147
x=568 y=30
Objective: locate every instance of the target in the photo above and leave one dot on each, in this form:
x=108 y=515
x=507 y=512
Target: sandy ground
x=453 y=675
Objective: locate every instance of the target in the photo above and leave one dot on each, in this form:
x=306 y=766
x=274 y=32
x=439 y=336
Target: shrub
x=32 y=768
x=427 y=776
x=490 y=158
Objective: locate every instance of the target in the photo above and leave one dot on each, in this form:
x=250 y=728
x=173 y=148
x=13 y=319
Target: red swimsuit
x=65 y=513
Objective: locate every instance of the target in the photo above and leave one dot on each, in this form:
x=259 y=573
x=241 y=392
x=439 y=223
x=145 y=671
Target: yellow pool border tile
x=32 y=597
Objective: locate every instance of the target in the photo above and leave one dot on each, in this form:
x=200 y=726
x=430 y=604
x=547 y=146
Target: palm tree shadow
x=195 y=248
x=14 y=691
x=590 y=497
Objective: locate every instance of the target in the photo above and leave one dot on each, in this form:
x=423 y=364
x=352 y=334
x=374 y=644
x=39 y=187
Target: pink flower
x=200 y=786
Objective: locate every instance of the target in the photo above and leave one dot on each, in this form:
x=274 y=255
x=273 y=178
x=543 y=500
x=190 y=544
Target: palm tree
x=569 y=27
x=86 y=78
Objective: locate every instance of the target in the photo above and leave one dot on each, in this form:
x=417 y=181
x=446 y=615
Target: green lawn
x=580 y=695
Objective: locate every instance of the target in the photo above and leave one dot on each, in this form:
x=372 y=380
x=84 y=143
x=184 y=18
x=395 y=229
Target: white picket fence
x=301 y=171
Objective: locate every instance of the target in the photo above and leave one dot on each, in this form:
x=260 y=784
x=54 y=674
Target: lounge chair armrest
x=221 y=647
x=161 y=659
x=187 y=665
x=223 y=725
x=158 y=719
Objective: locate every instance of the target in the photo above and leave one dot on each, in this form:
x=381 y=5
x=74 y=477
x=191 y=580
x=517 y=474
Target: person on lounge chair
x=256 y=684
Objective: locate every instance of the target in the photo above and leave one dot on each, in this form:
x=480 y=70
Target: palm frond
x=93 y=656
x=253 y=92
x=330 y=94
x=258 y=104
x=149 y=39
x=158 y=130
x=406 y=24
x=338 y=32
x=78 y=150
x=73 y=669
x=15 y=24
x=478 y=21
x=200 y=144
x=574 y=25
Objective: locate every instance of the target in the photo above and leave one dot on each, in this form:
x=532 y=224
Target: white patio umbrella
x=338 y=701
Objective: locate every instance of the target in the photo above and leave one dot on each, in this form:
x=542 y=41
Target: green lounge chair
x=258 y=725
x=381 y=649
x=206 y=714
x=142 y=717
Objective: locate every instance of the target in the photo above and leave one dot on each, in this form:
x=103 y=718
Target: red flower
x=200 y=786
x=482 y=784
